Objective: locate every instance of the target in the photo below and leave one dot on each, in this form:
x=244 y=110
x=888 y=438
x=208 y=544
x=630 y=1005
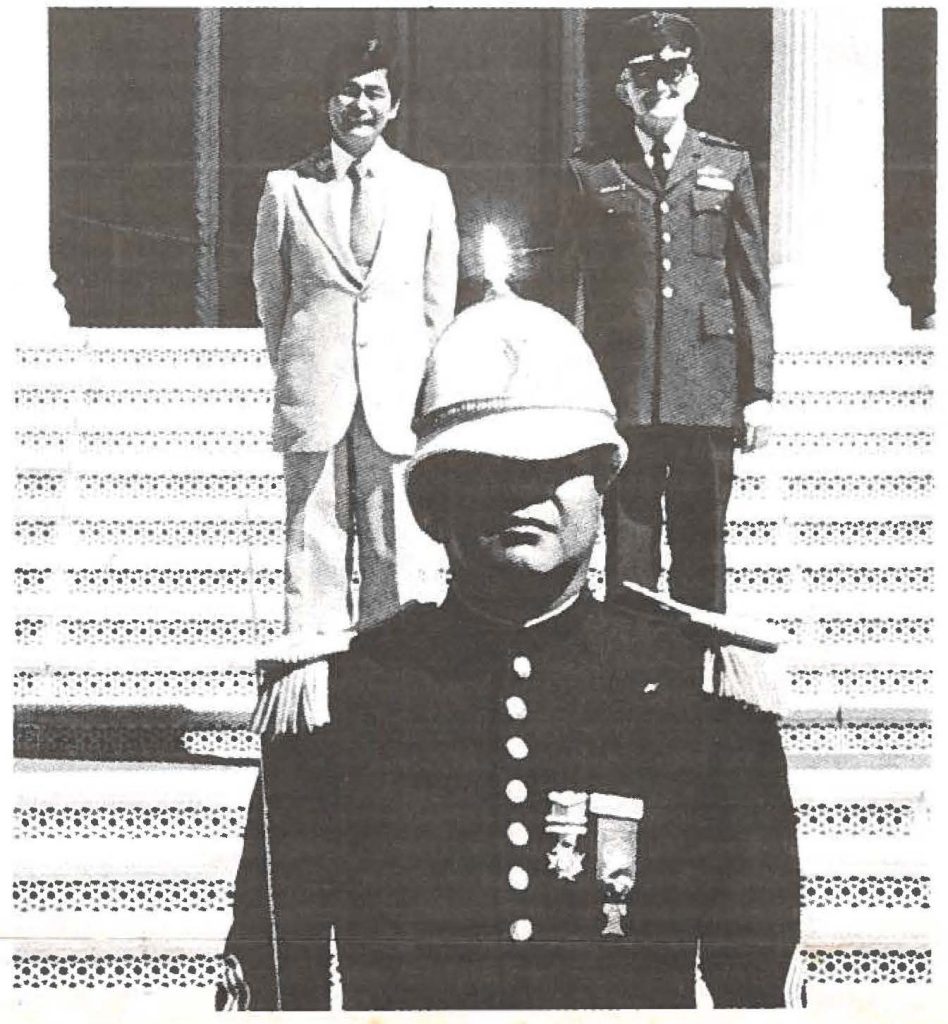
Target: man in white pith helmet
x=524 y=798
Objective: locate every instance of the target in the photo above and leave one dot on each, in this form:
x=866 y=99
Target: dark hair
x=360 y=56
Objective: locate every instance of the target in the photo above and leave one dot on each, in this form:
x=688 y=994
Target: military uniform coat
x=418 y=822
x=336 y=334
x=676 y=298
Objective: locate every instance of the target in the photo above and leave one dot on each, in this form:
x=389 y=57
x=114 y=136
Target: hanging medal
x=567 y=821
x=617 y=824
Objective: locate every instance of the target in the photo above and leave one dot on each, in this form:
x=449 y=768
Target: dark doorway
x=910 y=103
x=484 y=100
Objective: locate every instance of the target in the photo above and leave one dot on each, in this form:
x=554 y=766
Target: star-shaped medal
x=566 y=862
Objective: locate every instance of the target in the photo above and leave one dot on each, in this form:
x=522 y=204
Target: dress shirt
x=341 y=200
x=673 y=139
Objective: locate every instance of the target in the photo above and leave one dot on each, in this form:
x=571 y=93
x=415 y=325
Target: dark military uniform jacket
x=549 y=817
x=675 y=285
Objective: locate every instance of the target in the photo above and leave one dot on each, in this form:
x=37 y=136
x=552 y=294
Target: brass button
x=517 y=748
x=663 y=206
x=516 y=791
x=522 y=667
x=521 y=929
x=516 y=708
x=668 y=291
x=518 y=878
x=517 y=833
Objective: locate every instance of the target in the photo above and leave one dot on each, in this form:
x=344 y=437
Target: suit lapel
x=686 y=160
x=313 y=196
x=633 y=167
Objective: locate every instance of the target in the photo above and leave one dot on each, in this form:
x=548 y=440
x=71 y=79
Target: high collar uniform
x=398 y=824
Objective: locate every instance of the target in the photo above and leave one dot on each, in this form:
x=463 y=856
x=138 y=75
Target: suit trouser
x=355 y=488
x=693 y=467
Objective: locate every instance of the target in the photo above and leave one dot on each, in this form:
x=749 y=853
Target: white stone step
x=127 y=784
x=190 y=1000
x=206 y=858
x=123 y=784
x=870 y=928
x=819 y=927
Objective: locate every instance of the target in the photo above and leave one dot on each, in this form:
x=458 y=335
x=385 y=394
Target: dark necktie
x=659 y=149
x=363 y=225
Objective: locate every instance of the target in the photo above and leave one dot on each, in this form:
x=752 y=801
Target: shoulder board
x=722 y=630
x=734 y=666
x=716 y=140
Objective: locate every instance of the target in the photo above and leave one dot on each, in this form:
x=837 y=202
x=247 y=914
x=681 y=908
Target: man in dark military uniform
x=524 y=798
x=664 y=237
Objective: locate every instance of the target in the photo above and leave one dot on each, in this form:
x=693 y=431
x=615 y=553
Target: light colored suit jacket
x=335 y=332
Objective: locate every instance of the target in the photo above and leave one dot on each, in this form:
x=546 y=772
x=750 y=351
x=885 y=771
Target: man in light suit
x=355 y=270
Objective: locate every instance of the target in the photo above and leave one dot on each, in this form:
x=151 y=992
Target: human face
x=658 y=89
x=506 y=515
x=360 y=111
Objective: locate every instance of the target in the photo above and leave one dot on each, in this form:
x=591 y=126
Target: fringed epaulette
x=292 y=682
x=736 y=665
x=717 y=140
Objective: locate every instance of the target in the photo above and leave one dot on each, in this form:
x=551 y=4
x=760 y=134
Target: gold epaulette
x=293 y=682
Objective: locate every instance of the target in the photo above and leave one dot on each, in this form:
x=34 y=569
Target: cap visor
x=528 y=434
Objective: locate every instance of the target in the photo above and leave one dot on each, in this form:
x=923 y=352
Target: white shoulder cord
x=271 y=902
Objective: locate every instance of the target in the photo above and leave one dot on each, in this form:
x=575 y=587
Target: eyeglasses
x=645 y=74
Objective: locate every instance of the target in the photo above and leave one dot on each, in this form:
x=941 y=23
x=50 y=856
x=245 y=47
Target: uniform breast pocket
x=623 y=223
x=717 y=319
x=710 y=222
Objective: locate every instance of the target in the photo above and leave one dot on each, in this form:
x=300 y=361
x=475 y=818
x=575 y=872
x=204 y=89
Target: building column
x=826 y=185
x=574 y=78
x=41 y=309
x=207 y=146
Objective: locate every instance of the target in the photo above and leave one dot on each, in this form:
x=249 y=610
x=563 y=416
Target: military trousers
x=347 y=506
x=692 y=469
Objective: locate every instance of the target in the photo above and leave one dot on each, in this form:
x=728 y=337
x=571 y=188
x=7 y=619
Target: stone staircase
x=149 y=569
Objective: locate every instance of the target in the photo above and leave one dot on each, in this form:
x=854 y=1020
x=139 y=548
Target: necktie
x=363 y=225
x=659 y=149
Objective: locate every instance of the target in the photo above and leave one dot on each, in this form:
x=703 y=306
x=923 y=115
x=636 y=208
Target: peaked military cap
x=646 y=35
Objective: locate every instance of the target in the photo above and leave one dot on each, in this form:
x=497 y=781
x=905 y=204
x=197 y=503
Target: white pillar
x=574 y=80
x=40 y=310
x=826 y=189
x=207 y=176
